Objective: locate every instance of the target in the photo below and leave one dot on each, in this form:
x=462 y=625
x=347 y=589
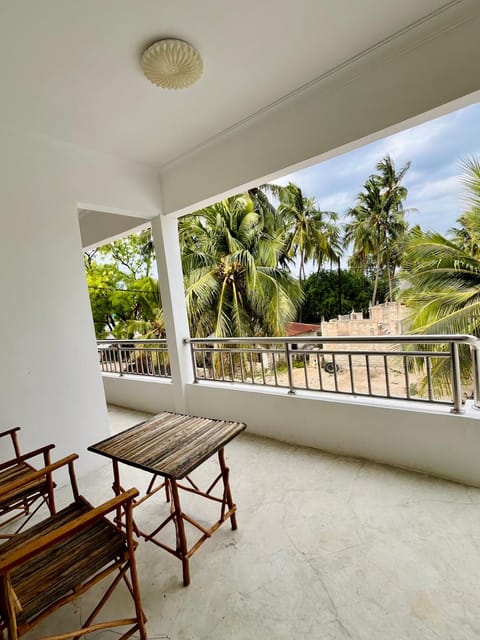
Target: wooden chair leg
x=180 y=529
x=129 y=526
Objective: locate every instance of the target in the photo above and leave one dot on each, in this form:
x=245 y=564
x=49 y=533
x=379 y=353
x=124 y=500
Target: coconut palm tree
x=467 y=234
x=442 y=275
x=443 y=284
x=234 y=284
x=394 y=194
x=311 y=233
x=377 y=222
x=367 y=230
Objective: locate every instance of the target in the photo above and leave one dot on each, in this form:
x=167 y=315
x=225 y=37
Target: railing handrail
x=403 y=339
x=134 y=341
x=119 y=359
x=298 y=346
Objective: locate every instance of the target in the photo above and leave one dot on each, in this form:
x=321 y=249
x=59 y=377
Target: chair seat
x=16 y=472
x=57 y=571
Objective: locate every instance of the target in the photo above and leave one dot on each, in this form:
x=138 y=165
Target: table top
x=170 y=444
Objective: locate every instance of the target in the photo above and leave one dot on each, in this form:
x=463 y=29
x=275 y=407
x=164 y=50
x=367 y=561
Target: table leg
x=180 y=530
x=226 y=485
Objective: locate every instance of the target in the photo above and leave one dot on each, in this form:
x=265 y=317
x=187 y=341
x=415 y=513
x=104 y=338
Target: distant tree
x=328 y=293
x=312 y=234
x=377 y=225
x=124 y=298
x=134 y=254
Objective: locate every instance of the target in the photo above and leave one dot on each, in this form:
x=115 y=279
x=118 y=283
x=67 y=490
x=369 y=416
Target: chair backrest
x=20 y=501
x=61 y=557
x=12 y=433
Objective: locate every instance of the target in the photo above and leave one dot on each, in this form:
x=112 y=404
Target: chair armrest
x=26 y=456
x=24 y=552
x=35 y=475
x=9 y=432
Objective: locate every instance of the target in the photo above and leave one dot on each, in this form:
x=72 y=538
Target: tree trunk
x=389 y=276
x=339 y=288
x=377 y=273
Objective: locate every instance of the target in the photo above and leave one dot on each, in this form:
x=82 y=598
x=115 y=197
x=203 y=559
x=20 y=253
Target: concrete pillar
x=170 y=278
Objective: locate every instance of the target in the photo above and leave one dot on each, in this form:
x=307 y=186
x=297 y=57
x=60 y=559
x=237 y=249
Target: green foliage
x=134 y=255
x=124 y=298
x=234 y=284
x=323 y=291
x=236 y=256
x=311 y=234
x=442 y=277
x=377 y=224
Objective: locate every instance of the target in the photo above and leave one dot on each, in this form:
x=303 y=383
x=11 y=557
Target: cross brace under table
x=171 y=446
x=227 y=510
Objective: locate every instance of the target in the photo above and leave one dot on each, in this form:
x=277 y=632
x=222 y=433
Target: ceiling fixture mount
x=172 y=64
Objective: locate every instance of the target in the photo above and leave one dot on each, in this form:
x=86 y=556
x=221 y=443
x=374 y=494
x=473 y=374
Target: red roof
x=297 y=328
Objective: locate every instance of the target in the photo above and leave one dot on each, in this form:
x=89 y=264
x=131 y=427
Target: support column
x=170 y=279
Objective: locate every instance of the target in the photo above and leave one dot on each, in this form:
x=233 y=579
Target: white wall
x=97 y=227
x=142 y=394
x=428 y=439
x=359 y=103
x=49 y=377
x=433 y=441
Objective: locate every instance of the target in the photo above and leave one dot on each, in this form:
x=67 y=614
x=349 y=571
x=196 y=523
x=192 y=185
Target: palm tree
x=394 y=195
x=377 y=222
x=234 y=284
x=368 y=229
x=442 y=275
x=443 y=284
x=311 y=233
x=468 y=232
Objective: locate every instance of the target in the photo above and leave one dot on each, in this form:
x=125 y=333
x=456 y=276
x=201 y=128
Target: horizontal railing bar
x=375 y=395
x=333 y=391
x=301 y=352
x=126 y=341
x=138 y=348
x=402 y=339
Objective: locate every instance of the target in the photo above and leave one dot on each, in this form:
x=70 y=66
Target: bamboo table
x=172 y=446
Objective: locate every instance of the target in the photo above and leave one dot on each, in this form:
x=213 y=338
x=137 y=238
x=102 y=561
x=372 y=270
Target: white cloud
x=434 y=188
x=339 y=201
x=413 y=142
x=438 y=188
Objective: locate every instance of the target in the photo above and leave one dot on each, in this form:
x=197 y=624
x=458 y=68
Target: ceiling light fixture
x=172 y=64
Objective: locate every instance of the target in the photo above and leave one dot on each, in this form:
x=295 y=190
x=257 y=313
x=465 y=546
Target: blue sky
x=435 y=150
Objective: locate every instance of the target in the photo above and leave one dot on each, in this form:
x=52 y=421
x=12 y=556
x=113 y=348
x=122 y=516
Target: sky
x=435 y=150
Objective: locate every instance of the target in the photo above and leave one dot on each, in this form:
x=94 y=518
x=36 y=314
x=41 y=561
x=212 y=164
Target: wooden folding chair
x=19 y=502
x=60 y=558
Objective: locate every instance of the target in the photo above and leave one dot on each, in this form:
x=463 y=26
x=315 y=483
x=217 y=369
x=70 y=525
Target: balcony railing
x=391 y=367
x=134 y=357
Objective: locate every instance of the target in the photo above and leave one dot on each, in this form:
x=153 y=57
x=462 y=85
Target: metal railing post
x=475 y=351
x=456 y=379
x=120 y=361
x=194 y=363
x=291 y=387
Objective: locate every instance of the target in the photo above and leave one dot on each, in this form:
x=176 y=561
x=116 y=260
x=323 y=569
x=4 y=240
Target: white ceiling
x=70 y=68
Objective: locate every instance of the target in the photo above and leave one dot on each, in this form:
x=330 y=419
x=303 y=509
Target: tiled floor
x=327 y=548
